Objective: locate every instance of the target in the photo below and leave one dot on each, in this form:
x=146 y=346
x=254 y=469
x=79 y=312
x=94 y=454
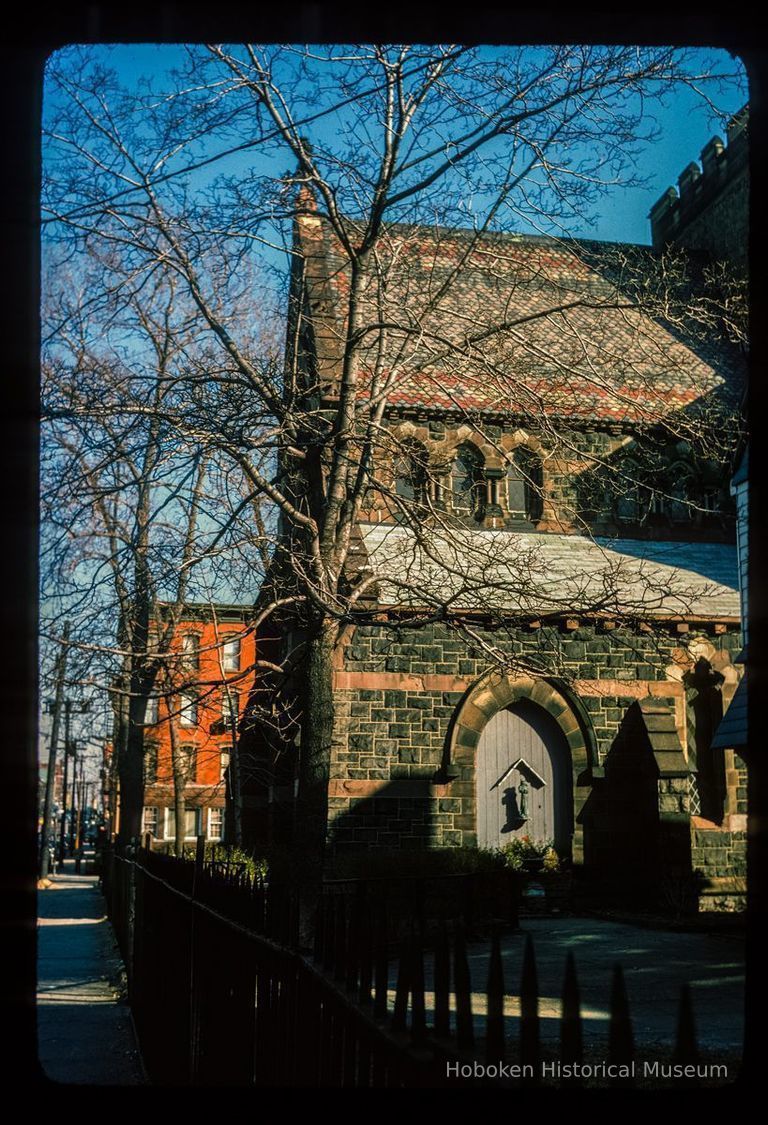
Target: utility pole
x=77 y=793
x=63 y=832
x=69 y=747
x=61 y=669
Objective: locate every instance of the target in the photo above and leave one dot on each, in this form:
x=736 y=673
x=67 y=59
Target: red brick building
x=198 y=703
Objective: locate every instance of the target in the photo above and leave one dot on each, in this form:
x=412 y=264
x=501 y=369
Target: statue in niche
x=515 y=801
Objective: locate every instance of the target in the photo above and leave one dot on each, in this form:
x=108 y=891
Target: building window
x=679 y=507
x=190 y=649
x=437 y=488
x=192 y=821
x=149 y=821
x=410 y=472
x=708 y=500
x=188 y=761
x=151 y=713
x=150 y=763
x=658 y=504
x=468 y=481
x=231 y=655
x=187 y=710
x=223 y=763
x=215 y=823
x=230 y=708
x=525 y=479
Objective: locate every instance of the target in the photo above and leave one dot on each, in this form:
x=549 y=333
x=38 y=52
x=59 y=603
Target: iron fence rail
x=222 y=995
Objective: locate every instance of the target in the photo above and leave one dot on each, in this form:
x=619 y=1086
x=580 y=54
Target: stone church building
x=553 y=624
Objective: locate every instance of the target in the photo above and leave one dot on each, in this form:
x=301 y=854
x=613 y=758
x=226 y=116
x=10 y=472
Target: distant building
x=211 y=670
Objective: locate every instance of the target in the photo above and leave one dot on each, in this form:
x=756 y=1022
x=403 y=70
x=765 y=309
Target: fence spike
x=353 y=944
x=621 y=1046
x=465 y=1035
x=494 y=1038
x=365 y=947
x=403 y=987
x=382 y=962
x=259 y=906
x=317 y=936
x=329 y=950
x=571 y=1044
x=418 y=1007
x=442 y=983
x=340 y=953
x=686 y=1047
x=530 y=1048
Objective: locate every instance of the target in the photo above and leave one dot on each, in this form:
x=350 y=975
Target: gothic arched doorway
x=523 y=779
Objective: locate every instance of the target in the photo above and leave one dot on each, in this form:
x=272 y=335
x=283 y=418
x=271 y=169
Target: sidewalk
x=84 y=1031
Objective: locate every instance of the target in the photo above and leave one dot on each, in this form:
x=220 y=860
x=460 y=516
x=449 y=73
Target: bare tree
x=366 y=158
x=132 y=496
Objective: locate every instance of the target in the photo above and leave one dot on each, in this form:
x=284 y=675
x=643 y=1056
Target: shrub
x=551 y=861
x=253 y=865
x=523 y=848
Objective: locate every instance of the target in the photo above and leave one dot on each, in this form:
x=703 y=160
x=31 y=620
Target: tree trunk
x=119 y=728
x=131 y=771
x=317 y=729
x=236 y=789
x=178 y=769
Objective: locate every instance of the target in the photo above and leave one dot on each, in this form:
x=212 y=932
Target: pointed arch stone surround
x=496 y=691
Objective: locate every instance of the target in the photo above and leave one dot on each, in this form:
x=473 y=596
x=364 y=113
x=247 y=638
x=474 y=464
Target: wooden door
x=523 y=779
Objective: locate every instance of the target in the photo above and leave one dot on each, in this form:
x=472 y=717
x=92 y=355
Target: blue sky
x=685 y=126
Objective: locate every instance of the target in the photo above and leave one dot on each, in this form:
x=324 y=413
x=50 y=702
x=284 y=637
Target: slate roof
x=529 y=573
x=511 y=324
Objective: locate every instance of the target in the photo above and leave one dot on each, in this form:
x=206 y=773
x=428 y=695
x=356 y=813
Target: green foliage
x=253 y=865
x=523 y=848
x=551 y=861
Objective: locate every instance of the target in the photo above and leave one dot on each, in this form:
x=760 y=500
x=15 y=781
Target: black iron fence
x=221 y=995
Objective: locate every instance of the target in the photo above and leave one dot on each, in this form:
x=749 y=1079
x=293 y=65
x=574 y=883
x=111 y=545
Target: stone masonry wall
x=718 y=857
x=400 y=689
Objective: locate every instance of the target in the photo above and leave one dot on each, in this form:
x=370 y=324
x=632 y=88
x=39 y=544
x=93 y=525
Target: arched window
x=679 y=506
x=525 y=479
x=468 y=482
x=411 y=472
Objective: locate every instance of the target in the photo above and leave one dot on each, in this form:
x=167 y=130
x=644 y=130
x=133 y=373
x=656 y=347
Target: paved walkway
x=655 y=963
x=84 y=1030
